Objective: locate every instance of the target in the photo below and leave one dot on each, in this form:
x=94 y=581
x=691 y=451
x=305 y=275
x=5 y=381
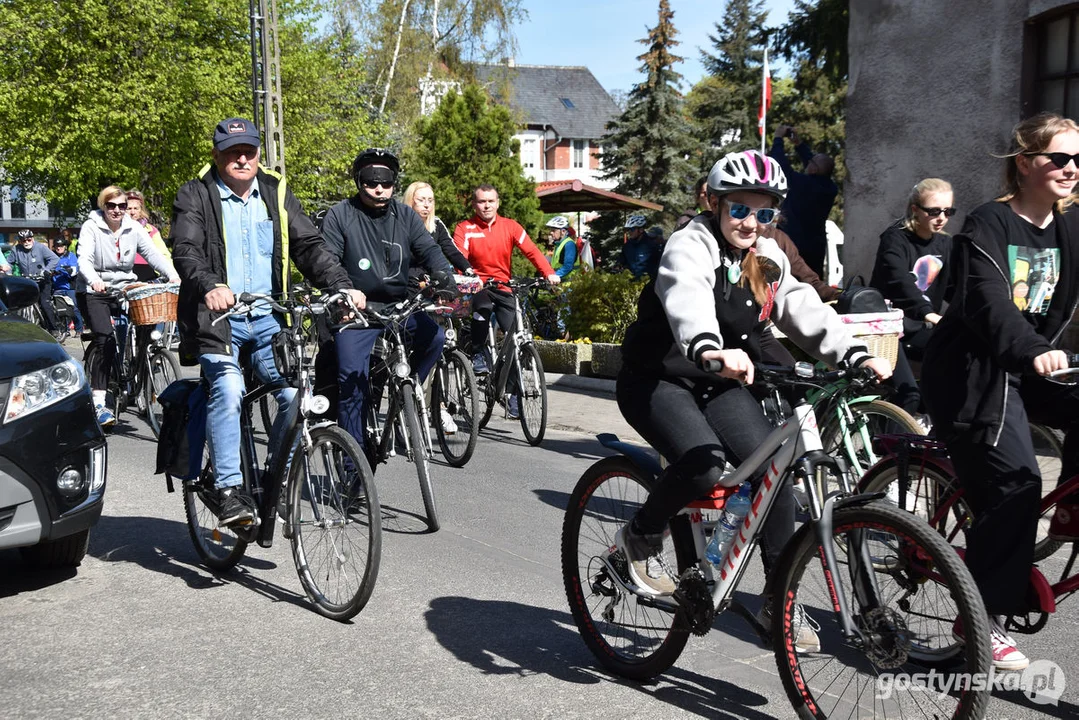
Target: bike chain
x=695 y=600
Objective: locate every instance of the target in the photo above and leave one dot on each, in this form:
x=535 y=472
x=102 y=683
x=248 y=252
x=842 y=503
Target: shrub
x=601 y=305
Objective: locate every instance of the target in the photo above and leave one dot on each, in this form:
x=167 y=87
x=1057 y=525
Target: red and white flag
x=766 y=99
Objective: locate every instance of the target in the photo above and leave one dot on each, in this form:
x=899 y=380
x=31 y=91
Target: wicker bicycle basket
x=879 y=331
x=153 y=303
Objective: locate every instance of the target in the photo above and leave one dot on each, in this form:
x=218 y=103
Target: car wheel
x=62 y=552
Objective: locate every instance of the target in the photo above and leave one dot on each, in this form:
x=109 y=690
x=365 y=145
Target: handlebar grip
x=712 y=366
x=1073 y=360
x=246 y=298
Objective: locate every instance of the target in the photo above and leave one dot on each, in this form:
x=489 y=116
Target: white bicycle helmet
x=634 y=222
x=558 y=222
x=747 y=170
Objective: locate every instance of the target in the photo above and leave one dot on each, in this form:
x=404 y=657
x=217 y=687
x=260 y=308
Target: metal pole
x=255 y=75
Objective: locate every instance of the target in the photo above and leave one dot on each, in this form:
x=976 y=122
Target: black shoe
x=236 y=508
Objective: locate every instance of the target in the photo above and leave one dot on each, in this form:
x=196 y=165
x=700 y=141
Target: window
x=568 y=104
x=18 y=203
x=1056 y=63
x=528 y=152
x=580 y=153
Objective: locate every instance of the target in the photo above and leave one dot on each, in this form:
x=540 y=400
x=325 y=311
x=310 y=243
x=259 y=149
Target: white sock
x=99 y=398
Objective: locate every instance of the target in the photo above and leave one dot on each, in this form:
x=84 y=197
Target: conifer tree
x=648 y=145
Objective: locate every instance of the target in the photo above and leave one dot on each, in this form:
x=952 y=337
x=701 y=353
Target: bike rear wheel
x=418 y=446
x=219 y=547
x=162 y=369
x=1049 y=449
x=627 y=635
x=454 y=390
x=532 y=405
x=336 y=523
x=924 y=587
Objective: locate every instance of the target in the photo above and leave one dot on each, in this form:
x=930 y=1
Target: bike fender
x=859 y=499
x=646 y=461
x=942 y=466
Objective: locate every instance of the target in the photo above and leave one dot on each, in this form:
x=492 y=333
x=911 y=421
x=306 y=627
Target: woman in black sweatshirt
x=912 y=271
x=1015 y=267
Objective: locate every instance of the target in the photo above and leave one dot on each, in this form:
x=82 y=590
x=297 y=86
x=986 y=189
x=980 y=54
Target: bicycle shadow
x=1059 y=709
x=584 y=449
x=124 y=539
x=499 y=637
x=403 y=522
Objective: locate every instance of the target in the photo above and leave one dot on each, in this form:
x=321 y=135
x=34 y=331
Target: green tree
x=725 y=103
x=468 y=141
x=647 y=147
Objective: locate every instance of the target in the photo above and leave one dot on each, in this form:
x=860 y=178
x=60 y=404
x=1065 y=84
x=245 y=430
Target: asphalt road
x=468 y=622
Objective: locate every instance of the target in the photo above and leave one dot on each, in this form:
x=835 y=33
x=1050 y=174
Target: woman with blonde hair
x=720 y=281
x=108 y=242
x=986 y=365
x=912 y=270
x=421 y=197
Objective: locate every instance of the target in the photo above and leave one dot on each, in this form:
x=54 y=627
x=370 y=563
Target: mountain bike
x=330 y=508
x=403 y=416
x=142 y=366
x=884 y=617
x=455 y=392
x=516 y=364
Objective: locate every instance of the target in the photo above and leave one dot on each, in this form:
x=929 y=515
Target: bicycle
x=542 y=313
x=405 y=415
x=918 y=476
x=639 y=636
x=34 y=314
x=454 y=390
x=516 y=358
x=330 y=510
x=142 y=367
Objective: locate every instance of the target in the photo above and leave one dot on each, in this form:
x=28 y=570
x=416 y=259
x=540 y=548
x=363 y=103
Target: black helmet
x=375 y=156
x=26 y=235
x=61 y=241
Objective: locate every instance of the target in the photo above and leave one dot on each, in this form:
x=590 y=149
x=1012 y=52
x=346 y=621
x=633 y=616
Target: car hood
x=25 y=347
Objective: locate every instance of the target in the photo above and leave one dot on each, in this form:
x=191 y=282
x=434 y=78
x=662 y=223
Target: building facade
x=935 y=89
x=564 y=112
x=18 y=212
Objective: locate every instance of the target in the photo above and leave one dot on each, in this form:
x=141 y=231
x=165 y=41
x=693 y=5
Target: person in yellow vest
x=564 y=256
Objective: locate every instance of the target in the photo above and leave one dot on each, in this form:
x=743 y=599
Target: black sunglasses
x=933 y=212
x=1060 y=159
x=116 y=206
x=372 y=184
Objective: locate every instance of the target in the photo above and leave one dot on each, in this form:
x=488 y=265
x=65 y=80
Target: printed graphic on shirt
x=926 y=269
x=772 y=275
x=1034 y=275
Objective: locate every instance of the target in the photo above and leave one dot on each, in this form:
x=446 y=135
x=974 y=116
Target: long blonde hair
x=1033 y=135
x=410 y=194
x=925 y=187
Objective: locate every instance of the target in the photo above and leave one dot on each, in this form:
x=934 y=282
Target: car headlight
x=42 y=388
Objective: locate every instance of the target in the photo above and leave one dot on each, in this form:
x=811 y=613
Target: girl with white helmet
x=720 y=281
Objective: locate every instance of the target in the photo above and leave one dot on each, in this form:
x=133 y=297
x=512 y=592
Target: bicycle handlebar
x=801 y=373
x=515 y=283
x=1072 y=369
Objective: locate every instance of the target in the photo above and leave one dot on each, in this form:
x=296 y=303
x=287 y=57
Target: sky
x=602 y=35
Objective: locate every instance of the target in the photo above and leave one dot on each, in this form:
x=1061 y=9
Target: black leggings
x=695 y=427
x=99 y=312
x=485 y=303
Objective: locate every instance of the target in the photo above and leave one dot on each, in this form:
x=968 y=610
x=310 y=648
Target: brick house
x=564 y=111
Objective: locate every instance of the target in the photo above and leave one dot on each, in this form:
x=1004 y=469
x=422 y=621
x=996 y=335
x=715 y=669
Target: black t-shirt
x=1034 y=266
x=912 y=272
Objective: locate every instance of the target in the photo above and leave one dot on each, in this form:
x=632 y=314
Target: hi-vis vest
x=556 y=258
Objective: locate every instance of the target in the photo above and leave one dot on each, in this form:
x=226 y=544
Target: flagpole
x=764 y=102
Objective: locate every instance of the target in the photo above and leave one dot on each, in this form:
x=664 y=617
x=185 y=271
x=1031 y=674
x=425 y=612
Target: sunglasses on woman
x=116 y=206
x=1060 y=159
x=765 y=216
x=933 y=212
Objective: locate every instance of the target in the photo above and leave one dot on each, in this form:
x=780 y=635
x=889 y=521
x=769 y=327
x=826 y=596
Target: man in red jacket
x=487 y=241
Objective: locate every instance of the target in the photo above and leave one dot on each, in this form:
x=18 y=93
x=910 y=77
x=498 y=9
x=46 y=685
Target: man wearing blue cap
x=234 y=230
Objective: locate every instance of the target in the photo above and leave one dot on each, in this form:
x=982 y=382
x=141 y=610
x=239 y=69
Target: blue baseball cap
x=236 y=131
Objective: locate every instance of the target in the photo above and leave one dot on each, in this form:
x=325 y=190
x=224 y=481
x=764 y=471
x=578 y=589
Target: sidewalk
x=586 y=405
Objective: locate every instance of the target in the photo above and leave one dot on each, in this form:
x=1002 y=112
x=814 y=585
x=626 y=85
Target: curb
x=559 y=381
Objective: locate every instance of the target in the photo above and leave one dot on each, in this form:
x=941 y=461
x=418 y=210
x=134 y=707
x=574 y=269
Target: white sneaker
x=449 y=427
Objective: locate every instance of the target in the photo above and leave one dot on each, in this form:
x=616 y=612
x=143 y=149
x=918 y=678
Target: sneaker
x=1006 y=654
x=236 y=508
x=805 y=627
x=479 y=364
x=1065 y=523
x=449 y=427
x=105 y=418
x=512 y=409
x=648 y=568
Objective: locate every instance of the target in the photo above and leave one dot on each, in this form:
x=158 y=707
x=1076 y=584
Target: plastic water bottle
x=734 y=512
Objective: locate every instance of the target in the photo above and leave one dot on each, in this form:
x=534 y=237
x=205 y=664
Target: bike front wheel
x=418 y=445
x=162 y=369
x=454 y=393
x=629 y=635
x=532 y=406
x=335 y=522
x=905 y=591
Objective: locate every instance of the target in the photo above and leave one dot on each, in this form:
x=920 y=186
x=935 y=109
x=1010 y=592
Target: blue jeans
x=425 y=340
x=227 y=389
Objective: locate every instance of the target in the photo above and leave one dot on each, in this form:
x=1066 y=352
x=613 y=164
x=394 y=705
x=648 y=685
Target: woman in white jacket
x=108 y=243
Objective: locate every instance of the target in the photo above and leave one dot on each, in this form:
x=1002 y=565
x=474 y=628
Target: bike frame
x=400 y=383
x=511 y=345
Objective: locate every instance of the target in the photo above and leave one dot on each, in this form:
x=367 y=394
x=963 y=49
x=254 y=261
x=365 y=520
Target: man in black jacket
x=233 y=231
x=375 y=238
